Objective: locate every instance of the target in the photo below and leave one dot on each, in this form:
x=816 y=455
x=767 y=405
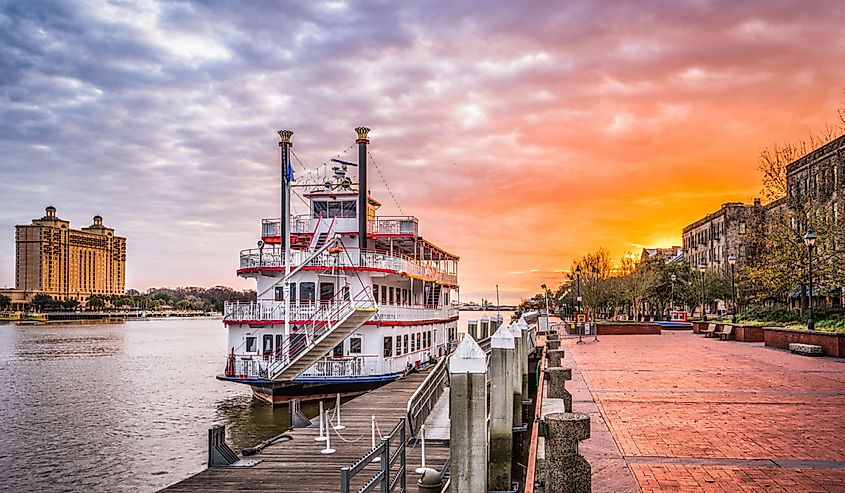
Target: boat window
x=280 y=339
x=320 y=208
x=375 y=293
x=293 y=292
x=398 y=345
x=388 y=346
x=326 y=291
x=404 y=296
x=297 y=341
x=355 y=345
x=346 y=293
x=334 y=209
x=306 y=291
x=391 y=294
x=338 y=351
x=413 y=343
x=405 y=343
x=267 y=344
x=384 y=294
x=251 y=345
x=349 y=208
x=419 y=340
x=280 y=293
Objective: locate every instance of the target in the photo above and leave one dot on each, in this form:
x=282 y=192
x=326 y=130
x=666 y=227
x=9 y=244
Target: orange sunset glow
x=521 y=135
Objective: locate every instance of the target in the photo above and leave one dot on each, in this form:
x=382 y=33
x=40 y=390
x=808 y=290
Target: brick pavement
x=688 y=413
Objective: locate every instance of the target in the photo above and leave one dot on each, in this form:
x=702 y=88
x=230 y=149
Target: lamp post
x=578 y=280
x=732 y=262
x=810 y=240
x=546 y=294
x=260 y=253
x=702 y=267
x=595 y=329
x=673 y=278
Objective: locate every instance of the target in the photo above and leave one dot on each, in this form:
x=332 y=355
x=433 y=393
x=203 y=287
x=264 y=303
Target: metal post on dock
x=523 y=356
x=373 y=436
x=322 y=436
x=328 y=449
x=501 y=411
x=338 y=426
x=468 y=427
x=422 y=467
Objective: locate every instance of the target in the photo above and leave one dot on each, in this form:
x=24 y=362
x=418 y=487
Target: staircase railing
x=334 y=311
x=316 y=228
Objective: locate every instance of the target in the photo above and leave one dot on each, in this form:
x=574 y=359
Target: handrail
x=423 y=399
x=316 y=227
x=383 y=479
x=535 y=426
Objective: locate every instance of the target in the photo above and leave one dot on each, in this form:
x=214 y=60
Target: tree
x=596 y=268
x=5 y=302
x=95 y=301
x=42 y=302
x=183 y=305
x=639 y=281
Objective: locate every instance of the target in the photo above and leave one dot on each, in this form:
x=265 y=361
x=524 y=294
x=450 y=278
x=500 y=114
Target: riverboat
x=347 y=300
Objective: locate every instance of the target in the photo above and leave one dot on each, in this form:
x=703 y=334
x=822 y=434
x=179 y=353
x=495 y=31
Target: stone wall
x=832 y=344
x=627 y=329
x=748 y=334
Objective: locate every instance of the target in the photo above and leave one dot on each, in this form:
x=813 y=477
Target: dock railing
x=386 y=480
x=425 y=397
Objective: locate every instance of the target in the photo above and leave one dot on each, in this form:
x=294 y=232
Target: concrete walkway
x=678 y=412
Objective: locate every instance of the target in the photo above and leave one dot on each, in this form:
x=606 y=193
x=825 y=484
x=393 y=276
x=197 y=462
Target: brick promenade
x=678 y=412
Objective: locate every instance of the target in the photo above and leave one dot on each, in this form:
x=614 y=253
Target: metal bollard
x=430 y=482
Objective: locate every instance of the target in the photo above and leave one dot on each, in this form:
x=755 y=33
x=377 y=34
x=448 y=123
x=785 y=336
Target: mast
x=284 y=219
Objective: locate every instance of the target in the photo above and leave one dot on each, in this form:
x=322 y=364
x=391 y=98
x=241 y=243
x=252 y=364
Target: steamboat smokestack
x=285 y=145
x=362 y=142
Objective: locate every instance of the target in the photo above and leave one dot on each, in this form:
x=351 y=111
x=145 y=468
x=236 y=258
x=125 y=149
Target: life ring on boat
x=335 y=249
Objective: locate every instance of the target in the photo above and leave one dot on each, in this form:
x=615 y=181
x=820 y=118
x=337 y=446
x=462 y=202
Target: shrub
x=770 y=313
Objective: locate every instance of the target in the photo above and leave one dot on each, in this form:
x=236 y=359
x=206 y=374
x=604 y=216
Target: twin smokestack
x=362 y=141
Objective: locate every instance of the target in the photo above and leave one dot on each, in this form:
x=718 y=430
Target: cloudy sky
x=522 y=134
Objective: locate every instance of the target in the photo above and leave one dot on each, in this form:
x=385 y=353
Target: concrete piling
x=554 y=357
x=501 y=412
x=552 y=344
x=472 y=328
x=566 y=470
x=517 y=375
x=557 y=378
x=524 y=350
x=468 y=411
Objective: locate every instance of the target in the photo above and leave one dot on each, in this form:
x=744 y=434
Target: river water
x=120 y=407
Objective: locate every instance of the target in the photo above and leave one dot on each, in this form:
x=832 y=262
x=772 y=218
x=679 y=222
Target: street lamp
x=260 y=253
x=578 y=279
x=702 y=267
x=546 y=294
x=810 y=240
x=673 y=278
x=732 y=262
x=595 y=329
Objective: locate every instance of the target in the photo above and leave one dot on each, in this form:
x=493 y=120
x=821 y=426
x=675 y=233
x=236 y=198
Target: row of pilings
x=492 y=413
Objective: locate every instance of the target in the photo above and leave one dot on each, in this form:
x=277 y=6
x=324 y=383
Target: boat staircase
x=434 y=295
x=336 y=320
x=318 y=240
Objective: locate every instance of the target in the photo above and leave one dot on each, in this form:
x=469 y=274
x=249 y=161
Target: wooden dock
x=298 y=466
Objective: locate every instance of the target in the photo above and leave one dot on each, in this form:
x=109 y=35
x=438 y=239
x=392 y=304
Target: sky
x=521 y=134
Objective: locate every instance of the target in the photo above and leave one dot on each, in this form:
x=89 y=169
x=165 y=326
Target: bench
x=711 y=331
x=727 y=332
x=806 y=349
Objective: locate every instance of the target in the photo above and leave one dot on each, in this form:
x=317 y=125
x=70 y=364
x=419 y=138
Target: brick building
x=67 y=264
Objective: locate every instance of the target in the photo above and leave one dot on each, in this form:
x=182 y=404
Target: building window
x=355 y=345
x=388 y=346
x=251 y=345
x=306 y=291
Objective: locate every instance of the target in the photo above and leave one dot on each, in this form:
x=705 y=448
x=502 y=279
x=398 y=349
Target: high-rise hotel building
x=65 y=263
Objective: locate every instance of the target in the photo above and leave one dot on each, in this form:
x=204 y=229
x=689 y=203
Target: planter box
x=832 y=344
x=627 y=329
x=699 y=327
x=748 y=334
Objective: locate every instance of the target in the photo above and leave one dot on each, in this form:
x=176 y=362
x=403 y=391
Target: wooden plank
x=298 y=466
